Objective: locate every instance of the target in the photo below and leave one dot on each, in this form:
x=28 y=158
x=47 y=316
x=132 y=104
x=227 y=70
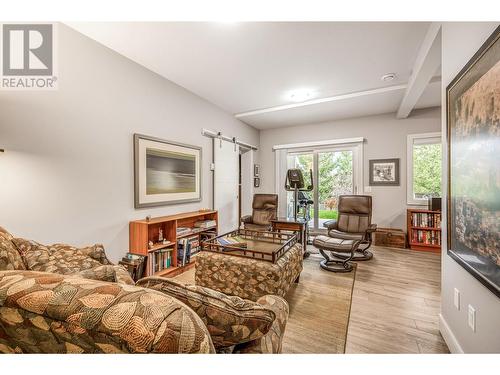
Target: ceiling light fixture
x=388 y=77
x=300 y=95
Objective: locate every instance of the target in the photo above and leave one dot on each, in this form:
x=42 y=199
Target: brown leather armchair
x=265 y=209
x=350 y=236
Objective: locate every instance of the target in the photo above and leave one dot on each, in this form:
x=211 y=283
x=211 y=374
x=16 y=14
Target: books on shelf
x=426 y=219
x=426 y=237
x=160 y=260
x=186 y=248
x=424 y=230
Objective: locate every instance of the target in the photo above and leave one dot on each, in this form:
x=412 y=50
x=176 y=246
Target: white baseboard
x=449 y=337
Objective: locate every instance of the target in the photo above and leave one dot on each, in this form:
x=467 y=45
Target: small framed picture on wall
x=384 y=172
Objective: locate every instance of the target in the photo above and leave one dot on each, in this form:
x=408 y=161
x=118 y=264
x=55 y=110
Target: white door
x=226 y=176
x=247 y=189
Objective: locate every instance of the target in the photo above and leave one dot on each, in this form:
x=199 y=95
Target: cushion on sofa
x=230 y=320
x=49 y=313
x=108 y=272
x=58 y=258
x=10 y=259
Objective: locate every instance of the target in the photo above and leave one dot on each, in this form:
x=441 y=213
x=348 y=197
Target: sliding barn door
x=226 y=178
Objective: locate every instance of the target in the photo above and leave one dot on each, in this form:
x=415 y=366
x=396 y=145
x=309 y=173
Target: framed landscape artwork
x=473 y=121
x=384 y=172
x=165 y=172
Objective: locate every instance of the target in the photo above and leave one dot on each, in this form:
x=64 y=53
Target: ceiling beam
x=321 y=100
x=425 y=67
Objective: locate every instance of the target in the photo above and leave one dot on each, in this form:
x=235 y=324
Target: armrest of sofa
x=247 y=219
x=230 y=320
x=272 y=341
x=43 y=312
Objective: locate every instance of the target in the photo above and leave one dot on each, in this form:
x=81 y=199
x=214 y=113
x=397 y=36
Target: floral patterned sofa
x=63 y=299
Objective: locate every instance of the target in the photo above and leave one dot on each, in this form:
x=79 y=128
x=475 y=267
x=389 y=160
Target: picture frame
x=165 y=172
x=384 y=172
x=473 y=138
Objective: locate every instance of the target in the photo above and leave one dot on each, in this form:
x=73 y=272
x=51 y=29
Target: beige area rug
x=320 y=306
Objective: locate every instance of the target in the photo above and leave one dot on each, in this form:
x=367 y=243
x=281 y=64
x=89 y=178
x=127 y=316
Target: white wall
x=460 y=42
x=67 y=173
x=385 y=137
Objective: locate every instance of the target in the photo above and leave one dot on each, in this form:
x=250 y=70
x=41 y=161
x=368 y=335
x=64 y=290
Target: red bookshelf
x=424 y=230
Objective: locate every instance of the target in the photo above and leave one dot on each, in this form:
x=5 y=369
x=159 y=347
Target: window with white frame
x=423 y=167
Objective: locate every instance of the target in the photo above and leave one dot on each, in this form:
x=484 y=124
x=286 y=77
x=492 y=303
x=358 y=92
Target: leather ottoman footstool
x=336 y=245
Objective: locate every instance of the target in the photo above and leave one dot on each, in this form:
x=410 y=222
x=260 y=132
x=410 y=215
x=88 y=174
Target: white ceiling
x=244 y=67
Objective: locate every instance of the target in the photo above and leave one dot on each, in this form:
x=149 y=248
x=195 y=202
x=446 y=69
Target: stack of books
x=205 y=224
x=182 y=231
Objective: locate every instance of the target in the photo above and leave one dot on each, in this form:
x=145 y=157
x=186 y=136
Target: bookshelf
x=162 y=257
x=424 y=230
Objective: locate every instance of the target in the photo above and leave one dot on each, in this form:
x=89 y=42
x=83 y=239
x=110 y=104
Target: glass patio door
x=335 y=177
x=336 y=171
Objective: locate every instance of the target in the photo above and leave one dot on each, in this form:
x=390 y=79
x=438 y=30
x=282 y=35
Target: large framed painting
x=473 y=121
x=384 y=172
x=165 y=172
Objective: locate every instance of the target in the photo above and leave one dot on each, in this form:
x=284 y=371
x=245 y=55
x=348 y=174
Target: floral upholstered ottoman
x=248 y=278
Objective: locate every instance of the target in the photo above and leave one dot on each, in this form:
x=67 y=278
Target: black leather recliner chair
x=265 y=209
x=350 y=236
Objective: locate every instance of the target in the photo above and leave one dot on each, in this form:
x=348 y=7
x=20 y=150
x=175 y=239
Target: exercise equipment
x=304 y=206
x=295 y=182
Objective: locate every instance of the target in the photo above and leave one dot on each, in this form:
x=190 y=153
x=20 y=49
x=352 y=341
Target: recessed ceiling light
x=300 y=95
x=388 y=77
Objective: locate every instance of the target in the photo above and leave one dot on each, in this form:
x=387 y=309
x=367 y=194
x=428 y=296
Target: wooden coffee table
x=267 y=246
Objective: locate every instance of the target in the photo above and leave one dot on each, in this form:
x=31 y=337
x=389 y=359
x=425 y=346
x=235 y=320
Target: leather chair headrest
x=265 y=201
x=355 y=204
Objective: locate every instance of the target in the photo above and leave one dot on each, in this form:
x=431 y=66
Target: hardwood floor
x=396 y=304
